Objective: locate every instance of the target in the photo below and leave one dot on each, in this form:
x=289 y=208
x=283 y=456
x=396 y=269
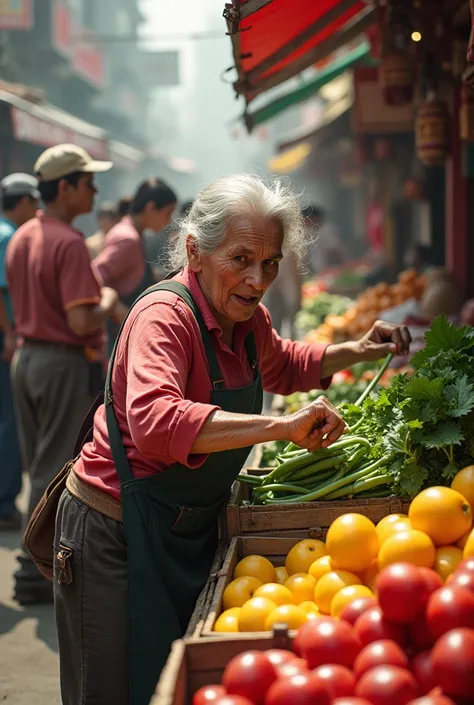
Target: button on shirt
x=161 y=383
x=49 y=272
x=121 y=264
x=7 y=228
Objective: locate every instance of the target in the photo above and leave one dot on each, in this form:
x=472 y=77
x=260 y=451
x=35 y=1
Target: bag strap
x=115 y=438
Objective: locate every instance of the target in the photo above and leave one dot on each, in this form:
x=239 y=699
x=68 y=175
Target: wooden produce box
x=275 y=549
x=201 y=608
x=193 y=663
x=305 y=520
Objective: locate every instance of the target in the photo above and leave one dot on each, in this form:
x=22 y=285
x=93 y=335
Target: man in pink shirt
x=122 y=264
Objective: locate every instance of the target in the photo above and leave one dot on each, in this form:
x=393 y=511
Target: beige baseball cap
x=63 y=159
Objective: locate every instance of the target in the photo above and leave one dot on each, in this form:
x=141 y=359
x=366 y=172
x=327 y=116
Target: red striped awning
x=274 y=40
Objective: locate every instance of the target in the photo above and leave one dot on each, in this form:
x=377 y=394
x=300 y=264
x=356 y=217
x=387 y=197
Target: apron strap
x=115 y=437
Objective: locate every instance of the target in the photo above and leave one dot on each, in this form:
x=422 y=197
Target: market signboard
x=16 y=14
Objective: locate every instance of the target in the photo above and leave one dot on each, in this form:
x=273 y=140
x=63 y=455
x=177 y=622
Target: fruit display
x=407 y=641
x=360 y=317
x=414 y=433
x=315 y=308
x=352 y=569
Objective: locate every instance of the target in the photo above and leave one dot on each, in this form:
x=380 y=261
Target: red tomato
x=301 y=631
x=420 y=637
x=292 y=668
x=353 y=610
x=432 y=579
x=432 y=700
x=249 y=674
x=233 y=700
x=466 y=566
x=337 y=680
x=329 y=641
x=208 y=694
x=279 y=656
x=401 y=592
x=387 y=685
x=422 y=669
x=373 y=626
x=450 y=608
x=379 y=653
x=453 y=663
x=351 y=701
x=464 y=579
x=298 y=690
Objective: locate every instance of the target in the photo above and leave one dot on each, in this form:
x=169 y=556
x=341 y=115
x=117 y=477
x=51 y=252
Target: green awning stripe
x=334 y=70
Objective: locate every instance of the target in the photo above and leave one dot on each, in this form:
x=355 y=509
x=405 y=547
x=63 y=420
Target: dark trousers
x=10 y=456
x=51 y=388
x=90 y=597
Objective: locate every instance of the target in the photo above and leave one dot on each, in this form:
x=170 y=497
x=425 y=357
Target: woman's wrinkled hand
x=316 y=426
x=384 y=338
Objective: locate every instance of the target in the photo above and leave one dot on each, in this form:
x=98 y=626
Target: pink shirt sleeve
x=288 y=366
x=78 y=285
x=163 y=423
x=115 y=260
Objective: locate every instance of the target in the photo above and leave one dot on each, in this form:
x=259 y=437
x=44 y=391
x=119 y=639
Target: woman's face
x=237 y=274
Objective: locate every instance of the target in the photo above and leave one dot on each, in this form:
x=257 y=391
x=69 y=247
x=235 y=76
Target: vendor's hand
x=308 y=427
x=9 y=346
x=382 y=339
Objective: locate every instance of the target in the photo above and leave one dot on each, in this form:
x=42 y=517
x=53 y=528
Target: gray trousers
x=90 y=598
x=51 y=389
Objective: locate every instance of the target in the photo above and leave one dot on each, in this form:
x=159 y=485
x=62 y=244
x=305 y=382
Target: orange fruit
x=256 y=567
x=254 y=613
x=301 y=586
x=442 y=513
x=239 y=591
x=468 y=550
x=407 y=546
x=369 y=576
x=390 y=525
x=303 y=555
x=309 y=607
x=329 y=585
x=447 y=560
x=464 y=483
x=291 y=615
x=281 y=575
x=352 y=542
x=320 y=567
x=279 y=594
x=228 y=621
x=346 y=596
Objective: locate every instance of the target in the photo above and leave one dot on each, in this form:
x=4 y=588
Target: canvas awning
x=274 y=40
x=45 y=125
x=335 y=69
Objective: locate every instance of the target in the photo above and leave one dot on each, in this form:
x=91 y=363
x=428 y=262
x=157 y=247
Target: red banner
x=16 y=14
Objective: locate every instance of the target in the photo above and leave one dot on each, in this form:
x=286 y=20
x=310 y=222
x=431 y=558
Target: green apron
x=170 y=522
x=147 y=280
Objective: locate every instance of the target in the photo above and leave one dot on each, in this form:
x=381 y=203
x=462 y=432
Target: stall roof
x=274 y=40
x=335 y=69
x=46 y=125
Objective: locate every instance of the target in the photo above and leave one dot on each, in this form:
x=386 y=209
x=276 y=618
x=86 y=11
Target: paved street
x=28 y=648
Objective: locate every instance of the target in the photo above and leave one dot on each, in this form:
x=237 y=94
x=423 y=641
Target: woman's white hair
x=236 y=195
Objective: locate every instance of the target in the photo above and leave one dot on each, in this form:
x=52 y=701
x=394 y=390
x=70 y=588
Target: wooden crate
x=193 y=663
x=308 y=519
x=201 y=608
x=275 y=549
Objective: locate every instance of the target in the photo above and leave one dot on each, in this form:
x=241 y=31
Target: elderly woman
x=136 y=529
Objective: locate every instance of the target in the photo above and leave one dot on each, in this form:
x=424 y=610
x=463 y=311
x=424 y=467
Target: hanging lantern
x=396 y=76
x=432 y=132
x=466 y=114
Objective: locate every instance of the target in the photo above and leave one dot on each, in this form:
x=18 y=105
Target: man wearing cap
x=19 y=202
x=60 y=313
